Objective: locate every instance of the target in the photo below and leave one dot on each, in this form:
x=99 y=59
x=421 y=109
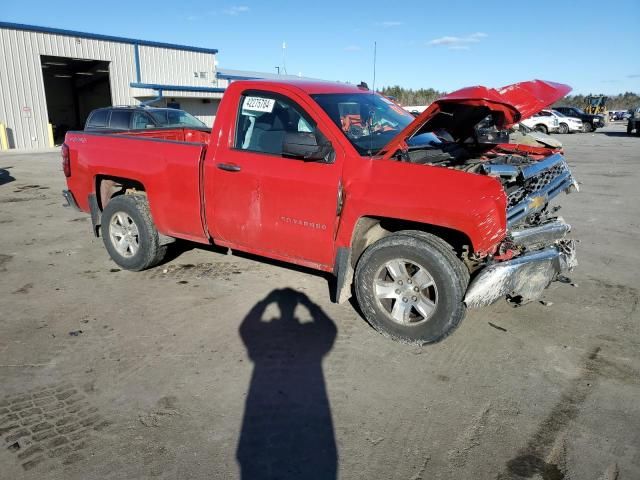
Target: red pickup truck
x=415 y=215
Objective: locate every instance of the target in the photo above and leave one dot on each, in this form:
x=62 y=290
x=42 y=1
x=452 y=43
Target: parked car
x=633 y=123
x=617 y=115
x=423 y=222
x=140 y=118
x=543 y=121
x=567 y=124
x=589 y=122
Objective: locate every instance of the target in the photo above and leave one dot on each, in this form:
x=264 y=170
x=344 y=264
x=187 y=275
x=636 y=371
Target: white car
x=543 y=121
x=567 y=124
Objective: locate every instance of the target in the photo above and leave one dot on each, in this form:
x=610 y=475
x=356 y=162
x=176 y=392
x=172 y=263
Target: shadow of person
x=287 y=430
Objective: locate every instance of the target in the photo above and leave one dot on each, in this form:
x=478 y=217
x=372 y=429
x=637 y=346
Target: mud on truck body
x=415 y=216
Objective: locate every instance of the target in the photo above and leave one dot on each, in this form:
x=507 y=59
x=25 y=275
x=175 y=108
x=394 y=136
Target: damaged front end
x=523 y=278
x=536 y=250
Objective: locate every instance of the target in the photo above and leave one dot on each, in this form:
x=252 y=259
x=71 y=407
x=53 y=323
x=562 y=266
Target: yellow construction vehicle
x=595 y=104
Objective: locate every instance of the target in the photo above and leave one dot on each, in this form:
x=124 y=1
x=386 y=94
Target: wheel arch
x=109 y=186
x=369 y=229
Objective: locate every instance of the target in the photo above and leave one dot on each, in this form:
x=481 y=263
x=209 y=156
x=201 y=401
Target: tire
x=541 y=128
x=564 y=128
x=587 y=127
x=629 y=128
x=444 y=286
x=122 y=218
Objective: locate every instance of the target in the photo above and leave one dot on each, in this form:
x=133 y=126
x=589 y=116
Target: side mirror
x=307 y=146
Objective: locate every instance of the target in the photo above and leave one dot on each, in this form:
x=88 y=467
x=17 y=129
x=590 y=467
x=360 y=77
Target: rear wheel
x=410 y=287
x=541 y=128
x=564 y=128
x=129 y=234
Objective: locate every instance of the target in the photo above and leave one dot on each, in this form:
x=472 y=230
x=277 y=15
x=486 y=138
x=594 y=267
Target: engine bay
x=530 y=176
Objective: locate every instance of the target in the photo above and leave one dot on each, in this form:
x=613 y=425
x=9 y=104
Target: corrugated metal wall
x=23 y=107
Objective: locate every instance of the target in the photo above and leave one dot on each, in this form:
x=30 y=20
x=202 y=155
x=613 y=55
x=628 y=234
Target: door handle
x=229 y=167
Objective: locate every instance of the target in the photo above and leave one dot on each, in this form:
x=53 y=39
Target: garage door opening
x=73 y=87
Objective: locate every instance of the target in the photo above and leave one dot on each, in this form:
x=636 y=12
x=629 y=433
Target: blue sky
x=591 y=45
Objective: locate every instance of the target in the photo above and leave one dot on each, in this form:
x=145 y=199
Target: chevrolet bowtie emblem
x=537 y=202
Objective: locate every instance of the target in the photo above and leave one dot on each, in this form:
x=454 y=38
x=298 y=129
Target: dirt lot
x=215 y=366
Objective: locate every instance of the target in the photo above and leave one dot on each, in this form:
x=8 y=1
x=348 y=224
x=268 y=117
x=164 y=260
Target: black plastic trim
x=342 y=270
x=71 y=201
x=96 y=214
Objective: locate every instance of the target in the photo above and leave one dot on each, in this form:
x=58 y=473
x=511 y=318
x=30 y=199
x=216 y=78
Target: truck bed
x=167 y=165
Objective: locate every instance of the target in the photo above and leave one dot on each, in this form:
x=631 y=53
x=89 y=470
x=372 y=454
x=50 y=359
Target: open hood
x=460 y=111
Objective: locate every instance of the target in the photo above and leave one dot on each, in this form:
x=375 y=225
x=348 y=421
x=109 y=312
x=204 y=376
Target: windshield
x=174 y=118
x=369 y=121
x=559 y=114
x=578 y=110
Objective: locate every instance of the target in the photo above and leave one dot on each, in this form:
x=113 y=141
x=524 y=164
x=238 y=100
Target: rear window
x=98 y=119
x=120 y=119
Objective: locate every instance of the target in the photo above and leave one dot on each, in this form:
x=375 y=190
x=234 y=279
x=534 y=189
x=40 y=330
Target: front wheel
x=410 y=287
x=587 y=127
x=564 y=128
x=129 y=234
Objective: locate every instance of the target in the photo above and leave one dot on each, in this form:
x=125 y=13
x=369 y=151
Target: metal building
x=50 y=79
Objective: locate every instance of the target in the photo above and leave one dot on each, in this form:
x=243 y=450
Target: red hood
x=460 y=111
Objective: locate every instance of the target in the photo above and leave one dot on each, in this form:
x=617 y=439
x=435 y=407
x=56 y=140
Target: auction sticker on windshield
x=258 y=104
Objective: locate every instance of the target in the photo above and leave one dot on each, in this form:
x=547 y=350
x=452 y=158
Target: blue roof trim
x=228 y=76
x=177 y=88
x=106 y=38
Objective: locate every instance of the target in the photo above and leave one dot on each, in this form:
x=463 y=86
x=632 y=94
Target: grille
x=536 y=183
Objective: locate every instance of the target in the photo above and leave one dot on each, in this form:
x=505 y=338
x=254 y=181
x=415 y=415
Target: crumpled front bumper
x=525 y=276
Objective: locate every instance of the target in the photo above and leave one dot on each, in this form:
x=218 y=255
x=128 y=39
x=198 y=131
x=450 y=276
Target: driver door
x=265 y=202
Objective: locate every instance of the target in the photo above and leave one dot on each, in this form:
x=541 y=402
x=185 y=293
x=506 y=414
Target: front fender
x=469 y=203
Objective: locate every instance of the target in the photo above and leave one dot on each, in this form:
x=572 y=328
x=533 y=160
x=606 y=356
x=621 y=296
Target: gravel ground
x=216 y=366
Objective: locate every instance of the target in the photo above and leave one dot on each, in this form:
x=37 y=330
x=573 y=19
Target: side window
x=264 y=120
x=141 y=120
x=98 y=119
x=174 y=117
x=120 y=119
